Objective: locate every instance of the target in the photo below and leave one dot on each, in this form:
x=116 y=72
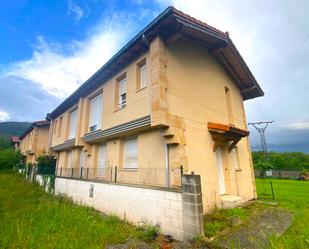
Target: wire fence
x=152 y=177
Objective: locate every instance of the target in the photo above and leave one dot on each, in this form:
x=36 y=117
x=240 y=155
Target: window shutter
x=143 y=70
x=95 y=113
x=73 y=123
x=130 y=153
x=235 y=158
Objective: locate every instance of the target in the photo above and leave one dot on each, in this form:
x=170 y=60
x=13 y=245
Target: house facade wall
x=35 y=143
x=196 y=94
x=186 y=89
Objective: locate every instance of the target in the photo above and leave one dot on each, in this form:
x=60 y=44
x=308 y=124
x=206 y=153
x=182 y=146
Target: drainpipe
x=167 y=166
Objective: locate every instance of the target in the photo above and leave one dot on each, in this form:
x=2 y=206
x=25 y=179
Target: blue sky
x=48 y=48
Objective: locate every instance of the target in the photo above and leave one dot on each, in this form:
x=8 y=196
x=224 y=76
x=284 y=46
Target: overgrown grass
x=30 y=218
x=293 y=195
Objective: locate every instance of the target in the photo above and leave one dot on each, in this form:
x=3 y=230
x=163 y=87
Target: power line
x=261 y=128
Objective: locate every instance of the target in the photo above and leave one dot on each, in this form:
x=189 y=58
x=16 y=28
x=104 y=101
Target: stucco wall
x=137 y=105
x=151 y=159
x=196 y=93
x=134 y=204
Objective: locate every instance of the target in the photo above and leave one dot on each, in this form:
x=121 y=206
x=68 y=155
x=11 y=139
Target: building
x=170 y=102
x=15 y=141
x=34 y=141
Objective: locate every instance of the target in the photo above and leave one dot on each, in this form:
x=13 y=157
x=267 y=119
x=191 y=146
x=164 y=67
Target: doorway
x=220 y=171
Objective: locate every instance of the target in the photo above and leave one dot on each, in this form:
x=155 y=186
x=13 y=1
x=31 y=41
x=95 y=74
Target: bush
x=46 y=164
x=9 y=158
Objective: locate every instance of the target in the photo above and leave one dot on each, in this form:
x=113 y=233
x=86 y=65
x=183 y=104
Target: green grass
x=290 y=194
x=294 y=196
x=31 y=218
x=219 y=219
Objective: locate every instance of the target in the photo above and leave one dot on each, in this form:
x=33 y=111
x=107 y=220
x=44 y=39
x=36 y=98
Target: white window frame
x=95 y=113
x=143 y=75
x=122 y=93
x=130 y=153
x=73 y=123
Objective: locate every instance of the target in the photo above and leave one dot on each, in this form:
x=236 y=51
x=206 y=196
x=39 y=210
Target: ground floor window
x=130 y=153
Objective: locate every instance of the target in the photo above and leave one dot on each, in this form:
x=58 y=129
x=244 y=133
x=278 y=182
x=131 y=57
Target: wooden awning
x=222 y=134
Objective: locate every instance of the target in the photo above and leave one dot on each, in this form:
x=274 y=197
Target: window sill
x=138 y=90
x=119 y=108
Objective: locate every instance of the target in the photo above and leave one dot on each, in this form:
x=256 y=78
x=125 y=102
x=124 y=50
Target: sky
x=48 y=48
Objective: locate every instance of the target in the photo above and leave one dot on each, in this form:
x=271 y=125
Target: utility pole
x=261 y=128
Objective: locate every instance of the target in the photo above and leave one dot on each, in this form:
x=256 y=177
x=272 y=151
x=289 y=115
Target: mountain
x=8 y=129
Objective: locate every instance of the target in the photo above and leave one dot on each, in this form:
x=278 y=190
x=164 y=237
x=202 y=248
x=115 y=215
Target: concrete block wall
x=134 y=204
x=179 y=214
x=192 y=206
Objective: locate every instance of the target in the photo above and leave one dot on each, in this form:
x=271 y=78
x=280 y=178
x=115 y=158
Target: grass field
x=292 y=195
x=31 y=218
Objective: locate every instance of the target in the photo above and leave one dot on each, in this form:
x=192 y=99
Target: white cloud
x=75 y=10
x=298 y=126
x=60 y=69
x=4 y=116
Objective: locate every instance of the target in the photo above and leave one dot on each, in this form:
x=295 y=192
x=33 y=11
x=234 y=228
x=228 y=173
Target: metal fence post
x=60 y=171
x=181 y=170
x=87 y=173
x=272 y=190
x=81 y=172
x=115 y=173
x=72 y=173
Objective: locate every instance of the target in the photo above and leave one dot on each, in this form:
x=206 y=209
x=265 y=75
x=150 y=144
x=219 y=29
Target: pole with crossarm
x=261 y=128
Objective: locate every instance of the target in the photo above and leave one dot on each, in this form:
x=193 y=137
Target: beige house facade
x=170 y=102
x=34 y=141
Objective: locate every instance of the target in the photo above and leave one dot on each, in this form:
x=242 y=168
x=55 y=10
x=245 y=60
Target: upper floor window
x=73 y=124
x=55 y=126
x=122 y=91
x=60 y=126
x=95 y=113
x=130 y=153
x=141 y=74
x=229 y=105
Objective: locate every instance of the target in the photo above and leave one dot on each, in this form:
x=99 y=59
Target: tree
x=46 y=164
x=9 y=158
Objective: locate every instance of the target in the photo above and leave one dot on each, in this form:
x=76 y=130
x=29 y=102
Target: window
x=229 y=105
x=122 y=97
x=101 y=159
x=130 y=153
x=141 y=74
x=60 y=126
x=73 y=124
x=69 y=159
x=55 y=126
x=95 y=113
x=235 y=158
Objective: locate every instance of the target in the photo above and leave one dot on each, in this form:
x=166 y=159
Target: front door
x=220 y=171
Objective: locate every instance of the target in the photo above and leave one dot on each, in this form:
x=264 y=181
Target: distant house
x=15 y=141
x=170 y=102
x=34 y=141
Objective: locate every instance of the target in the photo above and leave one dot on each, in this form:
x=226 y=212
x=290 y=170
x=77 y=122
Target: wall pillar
x=192 y=206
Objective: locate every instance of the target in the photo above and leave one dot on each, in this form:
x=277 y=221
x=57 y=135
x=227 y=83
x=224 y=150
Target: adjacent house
x=170 y=102
x=15 y=141
x=34 y=141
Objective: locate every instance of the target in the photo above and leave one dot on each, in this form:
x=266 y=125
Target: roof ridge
x=185 y=15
